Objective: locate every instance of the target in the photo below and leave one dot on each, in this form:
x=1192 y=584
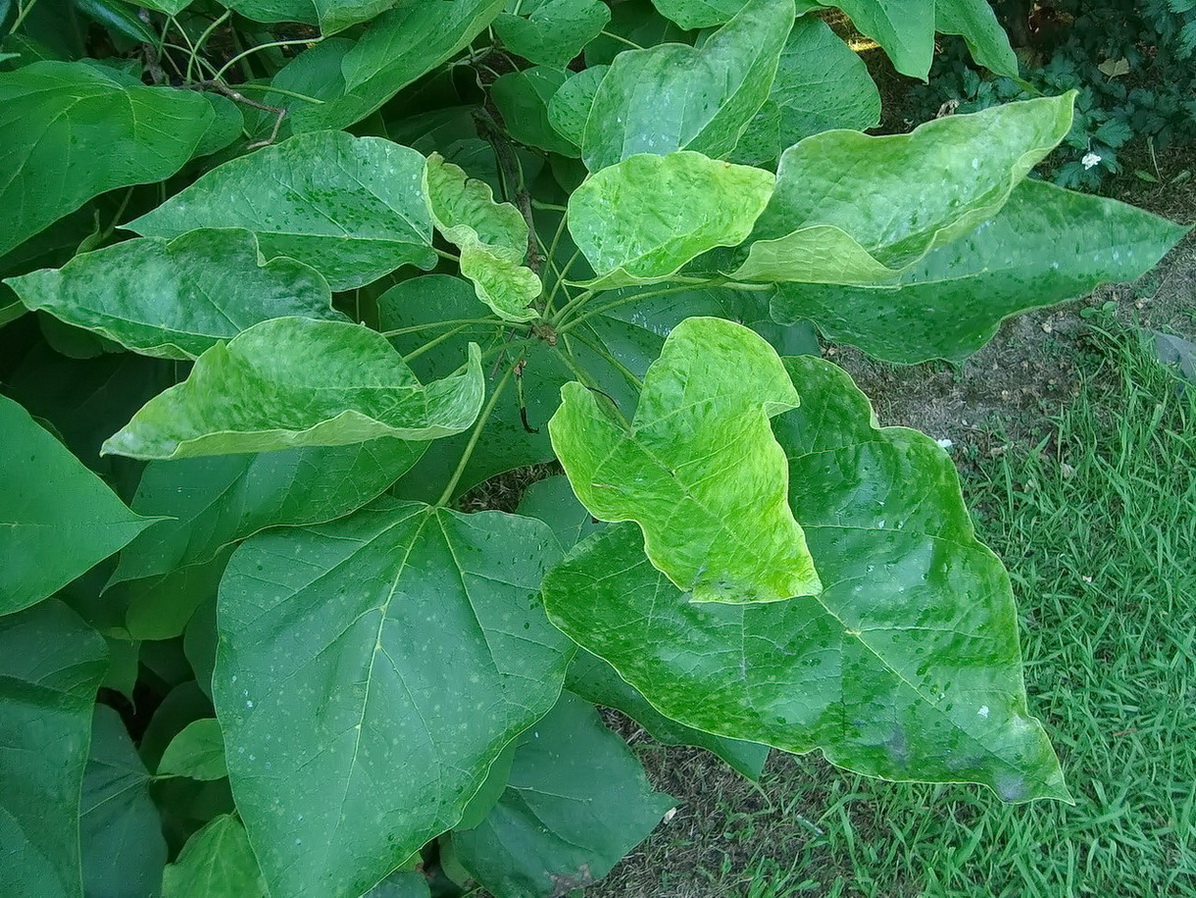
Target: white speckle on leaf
x=983 y=712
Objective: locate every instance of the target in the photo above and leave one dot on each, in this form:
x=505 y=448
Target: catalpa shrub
x=283 y=280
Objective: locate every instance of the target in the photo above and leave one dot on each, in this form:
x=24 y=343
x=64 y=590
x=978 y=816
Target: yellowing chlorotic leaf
x=675 y=97
x=1045 y=246
x=174 y=299
x=352 y=208
x=292 y=382
x=492 y=237
x=640 y=220
x=906 y=666
x=698 y=469
x=1113 y=68
x=849 y=208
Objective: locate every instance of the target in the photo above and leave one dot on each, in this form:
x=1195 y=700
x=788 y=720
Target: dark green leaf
x=351 y=207
x=51 y=664
x=119 y=18
x=986 y=39
x=551 y=32
x=596 y=681
x=160 y=607
x=196 y=752
x=120 y=830
x=355 y=78
x=673 y=97
x=522 y=100
x=294 y=382
x=124 y=657
x=906 y=667
x=569 y=108
x=821 y=84
x=183 y=704
x=690 y=14
x=400 y=649
x=904 y=28
x=577 y=801
x=330 y=15
x=552 y=501
x=213 y=502
x=216 y=862
x=176 y=299
x=698 y=468
x=59 y=518
x=1045 y=246
x=55 y=113
x=636 y=21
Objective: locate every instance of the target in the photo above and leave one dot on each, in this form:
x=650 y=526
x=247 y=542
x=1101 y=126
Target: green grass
x=1098 y=527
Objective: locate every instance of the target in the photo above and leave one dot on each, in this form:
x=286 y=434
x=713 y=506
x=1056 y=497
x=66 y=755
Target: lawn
x=1096 y=521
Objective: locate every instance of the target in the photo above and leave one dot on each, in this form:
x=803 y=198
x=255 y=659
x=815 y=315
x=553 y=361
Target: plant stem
x=228 y=65
x=648 y=294
x=107 y=232
x=596 y=347
x=550 y=255
x=473 y=439
x=620 y=39
x=587 y=381
x=498 y=322
x=203 y=38
x=24 y=11
x=447 y=335
x=270 y=88
x=445 y=255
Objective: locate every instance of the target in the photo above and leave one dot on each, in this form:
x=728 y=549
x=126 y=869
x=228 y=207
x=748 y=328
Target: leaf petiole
x=474 y=437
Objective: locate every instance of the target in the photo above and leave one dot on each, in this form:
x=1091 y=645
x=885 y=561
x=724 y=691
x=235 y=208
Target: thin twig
x=279 y=112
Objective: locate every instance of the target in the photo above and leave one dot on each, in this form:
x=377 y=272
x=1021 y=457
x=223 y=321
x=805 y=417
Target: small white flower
x=1089 y=160
x=944 y=444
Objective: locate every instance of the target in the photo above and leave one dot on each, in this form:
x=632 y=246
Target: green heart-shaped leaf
x=365 y=692
x=59 y=518
x=1045 y=246
x=352 y=208
x=674 y=97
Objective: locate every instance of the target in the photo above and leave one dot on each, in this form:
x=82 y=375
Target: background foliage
x=283 y=281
